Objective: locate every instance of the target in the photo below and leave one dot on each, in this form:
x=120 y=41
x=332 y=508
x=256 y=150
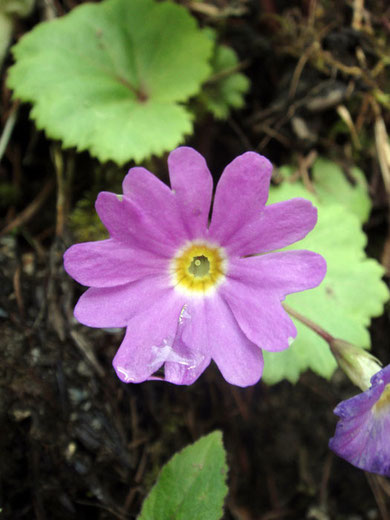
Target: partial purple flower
x=189 y=291
x=363 y=432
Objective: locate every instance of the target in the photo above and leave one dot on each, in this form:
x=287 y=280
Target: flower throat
x=198 y=268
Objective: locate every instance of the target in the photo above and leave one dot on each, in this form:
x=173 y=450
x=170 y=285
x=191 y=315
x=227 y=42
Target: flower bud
x=358 y=364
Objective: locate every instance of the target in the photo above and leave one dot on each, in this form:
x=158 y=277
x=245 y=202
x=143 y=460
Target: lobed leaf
x=333 y=186
x=227 y=89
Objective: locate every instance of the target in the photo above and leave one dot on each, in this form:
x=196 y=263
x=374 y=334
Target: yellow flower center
x=384 y=399
x=198 y=268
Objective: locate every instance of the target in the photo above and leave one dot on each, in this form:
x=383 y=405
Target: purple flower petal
x=362 y=433
x=185 y=364
x=108 y=263
x=279 y=225
x=279 y=273
x=148 y=341
x=239 y=360
x=240 y=197
x=129 y=224
x=193 y=186
x=213 y=330
x=260 y=315
x=116 y=306
x=185 y=372
x=156 y=201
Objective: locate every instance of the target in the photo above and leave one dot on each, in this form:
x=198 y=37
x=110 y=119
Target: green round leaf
x=110 y=77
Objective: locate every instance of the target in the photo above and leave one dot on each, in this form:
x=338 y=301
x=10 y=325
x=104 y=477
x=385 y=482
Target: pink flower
x=189 y=291
x=363 y=432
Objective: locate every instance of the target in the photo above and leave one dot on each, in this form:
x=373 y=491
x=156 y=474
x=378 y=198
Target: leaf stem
x=309 y=323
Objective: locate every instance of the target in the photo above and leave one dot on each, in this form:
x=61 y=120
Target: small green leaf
x=350 y=295
x=192 y=485
x=110 y=77
x=226 y=87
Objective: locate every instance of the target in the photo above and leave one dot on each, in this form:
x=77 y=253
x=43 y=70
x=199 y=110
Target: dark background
x=75 y=442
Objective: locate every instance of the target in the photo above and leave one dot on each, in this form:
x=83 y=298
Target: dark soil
x=76 y=442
